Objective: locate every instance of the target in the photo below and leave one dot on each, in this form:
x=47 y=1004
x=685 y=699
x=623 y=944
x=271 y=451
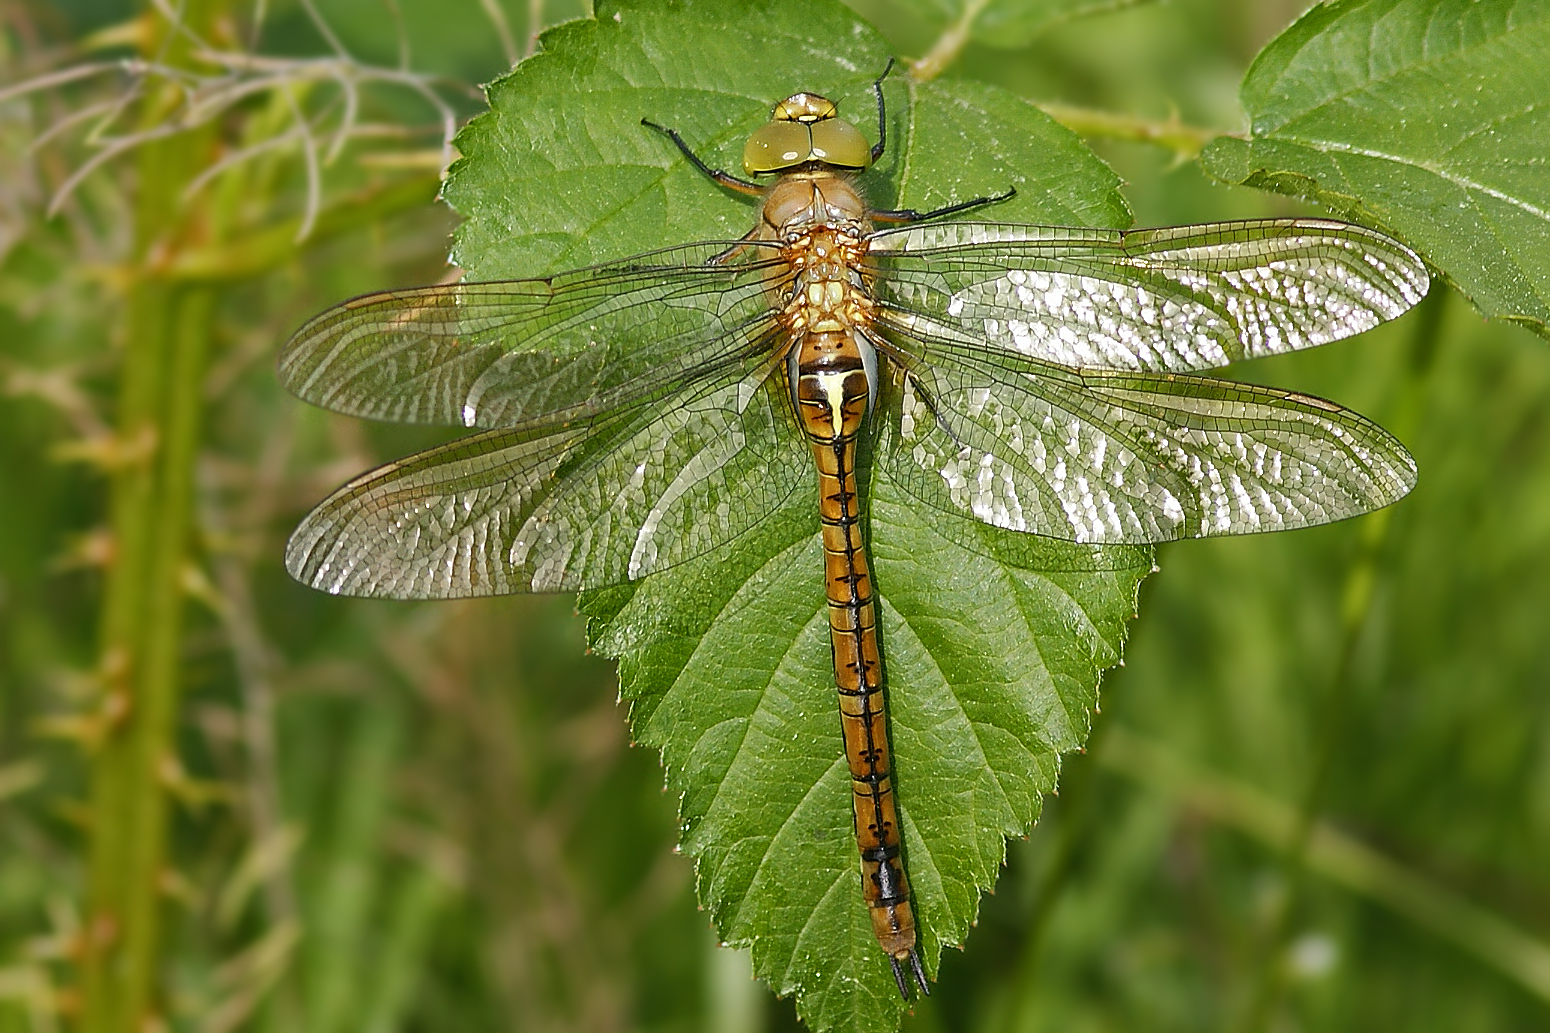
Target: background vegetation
x=1318 y=795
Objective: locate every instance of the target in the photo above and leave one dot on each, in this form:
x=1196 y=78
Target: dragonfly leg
x=722 y=257
x=882 y=118
x=721 y=176
x=913 y=215
x=910 y=214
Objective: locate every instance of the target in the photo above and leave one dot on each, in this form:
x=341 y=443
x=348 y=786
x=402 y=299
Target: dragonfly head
x=805 y=128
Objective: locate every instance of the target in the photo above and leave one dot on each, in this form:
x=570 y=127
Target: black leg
x=911 y=215
x=720 y=176
x=882 y=116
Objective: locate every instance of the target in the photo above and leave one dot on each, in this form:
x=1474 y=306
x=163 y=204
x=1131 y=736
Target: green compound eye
x=777 y=146
x=802 y=128
x=838 y=143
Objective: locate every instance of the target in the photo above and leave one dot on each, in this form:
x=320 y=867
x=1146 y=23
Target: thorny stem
x=167 y=330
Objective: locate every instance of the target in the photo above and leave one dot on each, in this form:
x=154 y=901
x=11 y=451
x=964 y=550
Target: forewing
x=1108 y=456
x=1174 y=300
x=508 y=353
x=561 y=505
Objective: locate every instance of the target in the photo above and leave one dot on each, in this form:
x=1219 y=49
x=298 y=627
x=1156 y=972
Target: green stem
x=1335 y=856
x=142 y=617
x=948 y=45
x=1078 y=818
x=167 y=329
x=1185 y=141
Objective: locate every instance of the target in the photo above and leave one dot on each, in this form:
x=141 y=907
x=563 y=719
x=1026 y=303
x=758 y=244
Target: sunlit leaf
x=994 y=641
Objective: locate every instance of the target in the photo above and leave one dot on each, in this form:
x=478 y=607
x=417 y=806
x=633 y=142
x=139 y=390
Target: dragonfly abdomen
x=827 y=310
x=832 y=387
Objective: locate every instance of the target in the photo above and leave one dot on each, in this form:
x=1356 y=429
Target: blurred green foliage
x=427 y=816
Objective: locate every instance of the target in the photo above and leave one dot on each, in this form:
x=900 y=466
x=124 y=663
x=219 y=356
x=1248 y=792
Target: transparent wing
x=562 y=505
x=502 y=354
x=1172 y=300
x=1107 y=456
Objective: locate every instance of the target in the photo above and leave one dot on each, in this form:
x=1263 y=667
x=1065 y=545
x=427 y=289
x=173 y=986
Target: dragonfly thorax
x=826 y=288
x=827 y=312
x=801 y=201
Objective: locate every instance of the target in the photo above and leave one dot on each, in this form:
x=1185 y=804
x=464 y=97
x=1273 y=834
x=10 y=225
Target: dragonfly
x=637 y=414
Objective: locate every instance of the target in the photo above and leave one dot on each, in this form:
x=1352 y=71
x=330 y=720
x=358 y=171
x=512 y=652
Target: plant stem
x=167 y=329
x=947 y=47
x=1333 y=855
x=1185 y=141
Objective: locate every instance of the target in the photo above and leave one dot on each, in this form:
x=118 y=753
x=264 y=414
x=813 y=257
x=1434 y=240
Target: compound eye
x=805 y=127
x=777 y=146
x=836 y=142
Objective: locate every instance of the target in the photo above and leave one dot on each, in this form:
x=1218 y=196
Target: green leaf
x=1424 y=117
x=560 y=173
x=993 y=641
x=993 y=644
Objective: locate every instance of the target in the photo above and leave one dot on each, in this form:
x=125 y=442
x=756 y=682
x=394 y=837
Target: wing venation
x=508 y=353
x=1108 y=457
x=1171 y=300
x=560 y=506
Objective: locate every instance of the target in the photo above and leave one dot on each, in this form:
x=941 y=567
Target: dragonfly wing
x=513 y=352
x=1108 y=456
x=1174 y=300
x=561 y=505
